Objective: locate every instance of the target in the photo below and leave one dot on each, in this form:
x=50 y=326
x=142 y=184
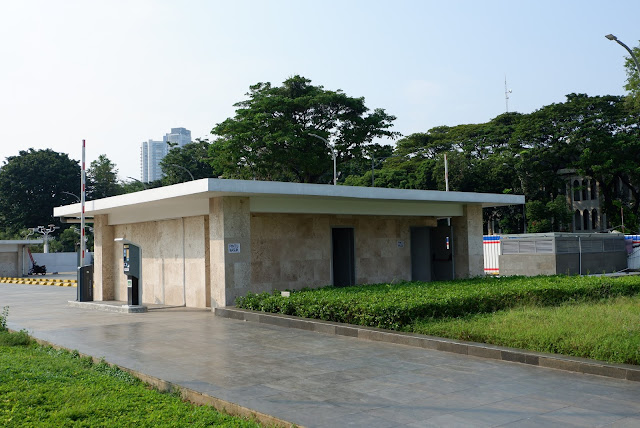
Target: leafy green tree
x=552 y=216
x=102 y=179
x=270 y=136
x=633 y=81
x=192 y=158
x=32 y=184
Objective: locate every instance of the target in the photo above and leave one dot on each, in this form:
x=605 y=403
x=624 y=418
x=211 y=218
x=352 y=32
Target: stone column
x=467 y=242
x=103 y=259
x=229 y=249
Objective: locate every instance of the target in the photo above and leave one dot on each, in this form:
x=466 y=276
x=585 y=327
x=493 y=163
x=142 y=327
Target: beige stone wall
x=9 y=264
x=230 y=273
x=173 y=253
x=104 y=260
x=467 y=243
x=292 y=251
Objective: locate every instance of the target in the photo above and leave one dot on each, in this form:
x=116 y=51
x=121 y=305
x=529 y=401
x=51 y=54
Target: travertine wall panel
x=105 y=257
x=467 y=242
x=9 y=264
x=230 y=273
x=292 y=251
x=173 y=265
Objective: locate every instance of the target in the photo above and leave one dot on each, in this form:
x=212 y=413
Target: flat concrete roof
x=21 y=241
x=192 y=198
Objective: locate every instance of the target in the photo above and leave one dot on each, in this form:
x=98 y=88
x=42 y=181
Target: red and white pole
x=82 y=199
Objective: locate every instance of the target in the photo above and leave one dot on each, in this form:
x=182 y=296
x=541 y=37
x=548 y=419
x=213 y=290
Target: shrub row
x=394 y=306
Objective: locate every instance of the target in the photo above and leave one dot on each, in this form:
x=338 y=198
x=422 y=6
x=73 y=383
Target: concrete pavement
x=318 y=380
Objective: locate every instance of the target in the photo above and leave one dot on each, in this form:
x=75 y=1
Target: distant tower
x=179 y=136
x=152 y=152
x=506 y=93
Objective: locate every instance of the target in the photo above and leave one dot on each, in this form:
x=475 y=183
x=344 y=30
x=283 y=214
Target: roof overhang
x=192 y=199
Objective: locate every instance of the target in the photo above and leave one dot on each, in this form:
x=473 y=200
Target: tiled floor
x=318 y=380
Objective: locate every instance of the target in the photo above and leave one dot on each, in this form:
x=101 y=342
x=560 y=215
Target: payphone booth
x=131 y=258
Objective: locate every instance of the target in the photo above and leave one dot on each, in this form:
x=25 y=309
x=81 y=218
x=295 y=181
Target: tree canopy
x=32 y=184
x=102 y=179
x=270 y=136
x=181 y=163
x=527 y=153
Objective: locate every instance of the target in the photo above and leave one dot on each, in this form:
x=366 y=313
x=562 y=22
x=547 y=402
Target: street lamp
x=615 y=39
x=72 y=194
x=333 y=151
x=45 y=232
x=141 y=182
x=180 y=166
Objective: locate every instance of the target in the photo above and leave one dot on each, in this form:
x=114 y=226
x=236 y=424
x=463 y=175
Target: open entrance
x=344 y=269
x=421 y=254
x=431 y=252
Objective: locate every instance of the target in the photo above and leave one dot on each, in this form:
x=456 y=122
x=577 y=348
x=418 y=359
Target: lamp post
x=45 y=232
x=333 y=152
x=635 y=61
x=615 y=39
x=181 y=167
x=72 y=194
x=141 y=182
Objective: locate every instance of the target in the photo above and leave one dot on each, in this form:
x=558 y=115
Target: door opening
x=421 y=254
x=344 y=270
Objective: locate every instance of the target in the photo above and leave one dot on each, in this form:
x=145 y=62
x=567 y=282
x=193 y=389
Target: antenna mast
x=506 y=93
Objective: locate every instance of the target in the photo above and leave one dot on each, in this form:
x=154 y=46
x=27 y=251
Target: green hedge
x=395 y=306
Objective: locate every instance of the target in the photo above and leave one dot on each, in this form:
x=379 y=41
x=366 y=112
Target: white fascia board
x=191 y=198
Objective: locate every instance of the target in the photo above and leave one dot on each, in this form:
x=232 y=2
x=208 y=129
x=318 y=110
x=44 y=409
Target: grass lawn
x=608 y=330
x=42 y=387
x=571 y=315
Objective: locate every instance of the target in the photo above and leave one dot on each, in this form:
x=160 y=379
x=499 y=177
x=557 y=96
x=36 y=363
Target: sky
x=117 y=73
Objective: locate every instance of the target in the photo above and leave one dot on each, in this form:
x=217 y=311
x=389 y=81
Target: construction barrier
x=492 y=251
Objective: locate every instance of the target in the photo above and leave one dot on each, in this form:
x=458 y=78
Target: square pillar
x=229 y=249
x=103 y=259
x=467 y=242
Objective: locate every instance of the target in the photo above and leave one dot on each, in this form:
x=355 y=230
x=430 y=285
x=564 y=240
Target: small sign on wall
x=400 y=244
x=234 y=248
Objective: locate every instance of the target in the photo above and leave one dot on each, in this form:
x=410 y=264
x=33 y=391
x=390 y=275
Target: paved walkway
x=318 y=380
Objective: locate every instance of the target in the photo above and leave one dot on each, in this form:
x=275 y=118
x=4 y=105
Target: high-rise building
x=179 y=136
x=152 y=152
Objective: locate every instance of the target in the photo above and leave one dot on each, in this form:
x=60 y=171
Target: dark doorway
x=421 y=254
x=344 y=269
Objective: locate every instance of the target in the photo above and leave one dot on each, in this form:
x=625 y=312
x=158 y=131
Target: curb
x=42 y=281
x=540 y=359
x=188 y=394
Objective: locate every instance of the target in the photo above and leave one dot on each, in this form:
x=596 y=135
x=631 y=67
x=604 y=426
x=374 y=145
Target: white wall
x=60 y=262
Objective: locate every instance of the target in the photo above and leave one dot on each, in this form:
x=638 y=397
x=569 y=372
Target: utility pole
x=506 y=93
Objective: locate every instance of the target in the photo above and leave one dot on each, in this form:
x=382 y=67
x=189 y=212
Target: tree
x=32 y=184
x=102 y=179
x=633 y=81
x=191 y=158
x=553 y=216
x=270 y=136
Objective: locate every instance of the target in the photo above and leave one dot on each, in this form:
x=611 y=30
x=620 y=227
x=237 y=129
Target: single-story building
x=14 y=261
x=206 y=242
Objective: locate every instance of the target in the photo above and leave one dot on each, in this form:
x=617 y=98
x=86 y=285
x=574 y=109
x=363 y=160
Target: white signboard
x=234 y=248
